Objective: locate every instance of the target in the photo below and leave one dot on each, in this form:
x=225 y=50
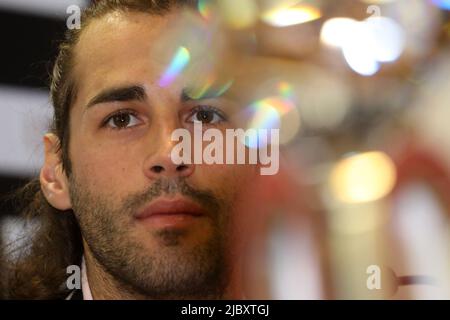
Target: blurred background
x=360 y=91
x=30 y=31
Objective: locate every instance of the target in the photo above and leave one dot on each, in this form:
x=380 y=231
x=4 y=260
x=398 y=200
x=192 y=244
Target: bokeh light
x=388 y=38
x=327 y=110
x=443 y=4
x=238 y=14
x=285 y=89
x=363 y=177
x=289 y=16
x=336 y=31
x=365 y=44
x=275 y=112
x=359 y=54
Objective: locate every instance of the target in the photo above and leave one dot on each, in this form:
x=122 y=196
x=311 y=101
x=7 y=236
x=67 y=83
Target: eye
x=122 y=120
x=207 y=115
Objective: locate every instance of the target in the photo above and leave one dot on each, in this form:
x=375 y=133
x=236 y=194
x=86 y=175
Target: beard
x=172 y=270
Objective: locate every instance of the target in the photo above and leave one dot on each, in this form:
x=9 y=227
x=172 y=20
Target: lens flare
x=285 y=89
x=205 y=8
x=208 y=88
x=268 y=114
x=284 y=17
x=176 y=67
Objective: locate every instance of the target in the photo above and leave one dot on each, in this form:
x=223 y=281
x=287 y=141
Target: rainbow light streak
x=443 y=4
x=285 y=90
x=266 y=114
x=205 y=9
x=201 y=90
x=208 y=91
x=178 y=64
x=224 y=88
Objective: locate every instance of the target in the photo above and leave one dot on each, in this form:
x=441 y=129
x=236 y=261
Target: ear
x=54 y=183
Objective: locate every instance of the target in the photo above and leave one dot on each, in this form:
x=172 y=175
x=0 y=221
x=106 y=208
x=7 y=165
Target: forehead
x=119 y=46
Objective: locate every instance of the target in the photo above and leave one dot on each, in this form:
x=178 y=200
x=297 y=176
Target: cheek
x=226 y=178
x=103 y=167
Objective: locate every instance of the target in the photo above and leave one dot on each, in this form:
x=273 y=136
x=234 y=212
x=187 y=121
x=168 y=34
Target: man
x=109 y=196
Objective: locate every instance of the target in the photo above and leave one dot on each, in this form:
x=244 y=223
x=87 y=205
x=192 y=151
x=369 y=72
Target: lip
x=178 y=212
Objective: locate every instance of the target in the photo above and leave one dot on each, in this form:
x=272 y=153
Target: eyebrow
x=185 y=97
x=208 y=94
x=128 y=93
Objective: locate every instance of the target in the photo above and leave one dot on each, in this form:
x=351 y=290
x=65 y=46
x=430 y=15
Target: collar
x=87 y=294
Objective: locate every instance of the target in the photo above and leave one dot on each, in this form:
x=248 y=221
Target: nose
x=159 y=164
x=169 y=169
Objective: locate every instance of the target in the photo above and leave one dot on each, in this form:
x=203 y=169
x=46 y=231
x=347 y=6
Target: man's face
x=124 y=185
